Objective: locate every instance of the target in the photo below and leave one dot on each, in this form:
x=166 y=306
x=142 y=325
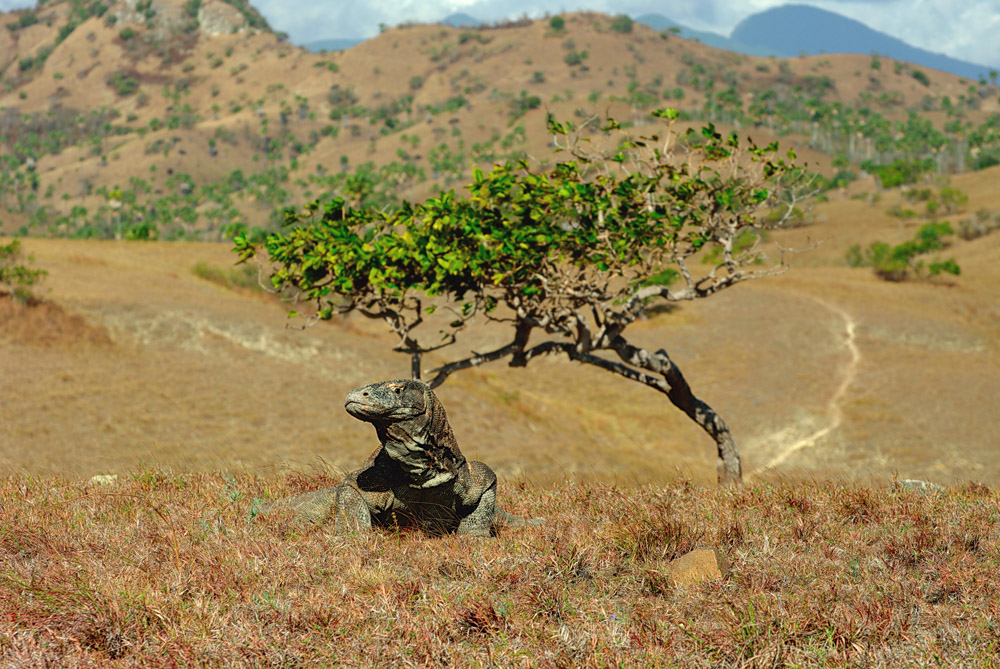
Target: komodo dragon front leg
x=477 y=501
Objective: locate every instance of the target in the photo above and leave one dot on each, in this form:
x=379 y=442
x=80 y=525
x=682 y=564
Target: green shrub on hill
x=28 y=18
x=123 y=83
x=900 y=262
x=17 y=278
x=921 y=77
x=899 y=172
x=622 y=23
x=522 y=104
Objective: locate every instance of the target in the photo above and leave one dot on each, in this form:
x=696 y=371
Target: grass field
x=178 y=569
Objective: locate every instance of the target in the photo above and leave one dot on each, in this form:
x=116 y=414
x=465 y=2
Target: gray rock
x=925 y=487
x=103 y=479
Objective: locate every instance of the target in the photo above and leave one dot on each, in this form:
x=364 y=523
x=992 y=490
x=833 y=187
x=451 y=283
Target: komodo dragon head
x=412 y=425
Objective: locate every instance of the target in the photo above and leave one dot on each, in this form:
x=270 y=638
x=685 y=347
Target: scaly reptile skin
x=418 y=476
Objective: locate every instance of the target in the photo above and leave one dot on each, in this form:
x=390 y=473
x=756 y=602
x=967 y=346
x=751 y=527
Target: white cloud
x=966 y=30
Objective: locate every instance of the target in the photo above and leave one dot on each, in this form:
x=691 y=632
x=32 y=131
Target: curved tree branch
x=443 y=372
x=730 y=469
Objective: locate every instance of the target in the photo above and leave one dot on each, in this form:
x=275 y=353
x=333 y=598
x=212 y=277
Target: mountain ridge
x=795 y=29
x=785 y=31
x=660 y=22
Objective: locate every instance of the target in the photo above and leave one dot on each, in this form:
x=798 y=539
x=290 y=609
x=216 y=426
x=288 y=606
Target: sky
x=965 y=29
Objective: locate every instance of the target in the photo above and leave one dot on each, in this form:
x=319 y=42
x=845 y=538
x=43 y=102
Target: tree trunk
x=730 y=469
x=672 y=384
x=415 y=365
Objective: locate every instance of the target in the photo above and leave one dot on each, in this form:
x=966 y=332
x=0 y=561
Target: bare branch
x=443 y=372
x=622 y=370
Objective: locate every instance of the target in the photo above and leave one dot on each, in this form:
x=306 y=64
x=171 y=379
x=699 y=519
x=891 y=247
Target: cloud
x=965 y=30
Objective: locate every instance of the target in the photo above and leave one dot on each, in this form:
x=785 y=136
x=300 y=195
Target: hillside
x=171 y=367
x=189 y=126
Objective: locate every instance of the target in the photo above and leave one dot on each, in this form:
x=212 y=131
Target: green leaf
x=668 y=113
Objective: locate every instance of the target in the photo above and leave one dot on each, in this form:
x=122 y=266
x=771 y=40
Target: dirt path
x=788 y=444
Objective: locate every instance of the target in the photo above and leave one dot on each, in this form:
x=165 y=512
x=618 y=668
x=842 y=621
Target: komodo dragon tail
x=511 y=519
x=312 y=507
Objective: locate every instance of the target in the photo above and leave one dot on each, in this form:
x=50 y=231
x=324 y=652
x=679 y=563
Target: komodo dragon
x=417 y=477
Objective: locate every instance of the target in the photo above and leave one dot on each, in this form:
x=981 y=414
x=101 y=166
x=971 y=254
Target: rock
x=701 y=564
x=219 y=18
x=104 y=479
x=925 y=487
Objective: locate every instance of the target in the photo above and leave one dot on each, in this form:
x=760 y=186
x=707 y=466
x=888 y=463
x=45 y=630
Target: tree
x=900 y=262
x=566 y=256
x=622 y=23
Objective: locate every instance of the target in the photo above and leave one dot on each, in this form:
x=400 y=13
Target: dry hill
x=187 y=118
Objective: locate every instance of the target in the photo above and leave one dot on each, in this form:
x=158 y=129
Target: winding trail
x=835 y=411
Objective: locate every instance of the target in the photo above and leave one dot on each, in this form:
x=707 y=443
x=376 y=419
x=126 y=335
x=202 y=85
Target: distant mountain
x=334 y=44
x=460 y=20
x=660 y=22
x=795 y=29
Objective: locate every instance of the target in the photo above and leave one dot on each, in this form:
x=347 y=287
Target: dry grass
x=199 y=377
x=244 y=277
x=179 y=569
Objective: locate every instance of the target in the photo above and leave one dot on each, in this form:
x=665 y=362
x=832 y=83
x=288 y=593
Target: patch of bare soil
x=47 y=324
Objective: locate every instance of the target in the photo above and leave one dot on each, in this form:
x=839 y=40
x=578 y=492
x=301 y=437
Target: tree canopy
x=575 y=249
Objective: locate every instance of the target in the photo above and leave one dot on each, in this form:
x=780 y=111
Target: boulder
x=701 y=564
x=925 y=487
